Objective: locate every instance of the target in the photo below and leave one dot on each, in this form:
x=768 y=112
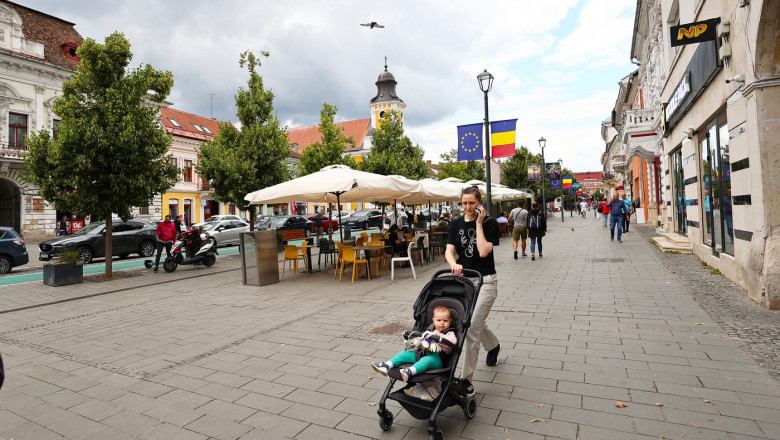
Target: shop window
x=17 y=130
x=678 y=181
x=187 y=170
x=716 y=187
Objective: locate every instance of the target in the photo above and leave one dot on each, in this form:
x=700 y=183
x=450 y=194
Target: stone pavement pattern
x=196 y=355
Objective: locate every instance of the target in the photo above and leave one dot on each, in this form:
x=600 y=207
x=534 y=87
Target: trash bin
x=347 y=232
x=259 y=257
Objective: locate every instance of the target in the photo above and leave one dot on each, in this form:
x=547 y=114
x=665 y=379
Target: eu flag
x=470 y=142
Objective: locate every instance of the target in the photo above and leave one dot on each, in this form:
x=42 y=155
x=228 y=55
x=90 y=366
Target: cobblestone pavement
x=197 y=355
x=756 y=328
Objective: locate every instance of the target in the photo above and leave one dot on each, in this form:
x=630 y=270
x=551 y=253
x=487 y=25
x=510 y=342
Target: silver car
x=226 y=232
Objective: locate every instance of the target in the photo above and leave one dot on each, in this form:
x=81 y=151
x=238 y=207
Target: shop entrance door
x=678 y=181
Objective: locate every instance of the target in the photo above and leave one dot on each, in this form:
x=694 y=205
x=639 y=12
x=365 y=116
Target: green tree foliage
x=514 y=174
x=331 y=148
x=239 y=162
x=393 y=152
x=465 y=171
x=110 y=152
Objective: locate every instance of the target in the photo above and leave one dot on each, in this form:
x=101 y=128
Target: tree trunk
x=252 y=217
x=109 y=247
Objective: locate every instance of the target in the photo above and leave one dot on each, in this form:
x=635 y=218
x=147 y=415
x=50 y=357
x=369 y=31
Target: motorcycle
x=192 y=247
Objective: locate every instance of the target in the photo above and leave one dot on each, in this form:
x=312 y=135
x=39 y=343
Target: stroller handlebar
x=470 y=273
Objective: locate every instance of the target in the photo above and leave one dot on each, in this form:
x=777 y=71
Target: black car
x=132 y=237
x=367 y=218
x=287 y=222
x=12 y=250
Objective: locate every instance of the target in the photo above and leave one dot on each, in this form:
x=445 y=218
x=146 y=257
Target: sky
x=556 y=63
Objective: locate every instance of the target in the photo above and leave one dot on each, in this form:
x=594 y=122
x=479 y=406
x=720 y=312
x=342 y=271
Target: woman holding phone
x=470 y=246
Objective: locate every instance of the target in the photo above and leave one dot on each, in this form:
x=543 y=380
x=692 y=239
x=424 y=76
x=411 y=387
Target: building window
x=143 y=210
x=175 y=124
x=232 y=209
x=187 y=170
x=17 y=130
x=207 y=130
x=198 y=128
x=55 y=128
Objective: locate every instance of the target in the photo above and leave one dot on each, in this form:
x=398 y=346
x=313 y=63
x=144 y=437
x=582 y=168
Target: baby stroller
x=459 y=294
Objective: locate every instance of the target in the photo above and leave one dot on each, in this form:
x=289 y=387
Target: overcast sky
x=556 y=63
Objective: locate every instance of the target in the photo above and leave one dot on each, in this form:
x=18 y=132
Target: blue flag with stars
x=470 y=142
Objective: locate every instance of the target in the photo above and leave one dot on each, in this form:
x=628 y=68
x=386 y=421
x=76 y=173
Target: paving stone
x=315 y=432
x=96 y=410
x=167 y=431
x=264 y=403
x=218 y=428
x=313 y=414
x=275 y=424
x=131 y=422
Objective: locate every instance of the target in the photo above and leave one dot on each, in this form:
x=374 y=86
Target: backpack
x=534 y=222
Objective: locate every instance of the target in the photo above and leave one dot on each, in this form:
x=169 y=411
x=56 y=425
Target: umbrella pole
x=330 y=221
x=338 y=207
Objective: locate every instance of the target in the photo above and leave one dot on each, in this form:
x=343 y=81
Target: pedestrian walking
x=179 y=224
x=63 y=226
x=616 y=211
x=627 y=217
x=537 y=228
x=470 y=246
x=584 y=209
x=165 y=235
x=604 y=210
x=520 y=232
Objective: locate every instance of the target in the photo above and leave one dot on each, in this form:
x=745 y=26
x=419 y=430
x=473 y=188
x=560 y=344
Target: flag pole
x=485 y=84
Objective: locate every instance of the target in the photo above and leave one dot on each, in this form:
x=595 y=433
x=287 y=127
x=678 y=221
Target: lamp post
x=485 y=84
x=560 y=165
x=542 y=143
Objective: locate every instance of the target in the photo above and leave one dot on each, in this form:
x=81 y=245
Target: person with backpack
x=617 y=209
x=520 y=232
x=537 y=227
x=604 y=211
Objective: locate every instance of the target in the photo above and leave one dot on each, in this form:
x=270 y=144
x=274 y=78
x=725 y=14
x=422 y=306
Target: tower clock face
x=382 y=114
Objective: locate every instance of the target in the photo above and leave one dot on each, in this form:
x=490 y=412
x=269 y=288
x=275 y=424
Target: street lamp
x=485 y=84
x=542 y=143
x=560 y=165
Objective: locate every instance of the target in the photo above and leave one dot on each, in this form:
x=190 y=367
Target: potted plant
x=279 y=242
x=63 y=270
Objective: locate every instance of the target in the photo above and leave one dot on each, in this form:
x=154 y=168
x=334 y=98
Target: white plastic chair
x=408 y=258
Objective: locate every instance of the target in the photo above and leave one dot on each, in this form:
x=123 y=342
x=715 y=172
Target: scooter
x=192 y=247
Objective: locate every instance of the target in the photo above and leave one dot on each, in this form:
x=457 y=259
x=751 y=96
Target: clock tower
x=386 y=99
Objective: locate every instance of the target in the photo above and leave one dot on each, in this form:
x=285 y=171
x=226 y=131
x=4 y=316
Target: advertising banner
x=534 y=172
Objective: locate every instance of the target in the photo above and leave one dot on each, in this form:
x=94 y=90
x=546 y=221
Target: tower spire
x=385 y=63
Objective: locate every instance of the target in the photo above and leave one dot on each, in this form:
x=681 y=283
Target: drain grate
x=607 y=260
x=393 y=328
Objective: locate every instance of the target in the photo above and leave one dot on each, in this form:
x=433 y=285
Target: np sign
x=694 y=32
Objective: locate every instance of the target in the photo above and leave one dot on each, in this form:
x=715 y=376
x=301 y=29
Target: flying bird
x=372 y=25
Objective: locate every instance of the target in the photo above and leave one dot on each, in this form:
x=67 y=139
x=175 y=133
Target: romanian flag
x=567 y=181
x=502 y=137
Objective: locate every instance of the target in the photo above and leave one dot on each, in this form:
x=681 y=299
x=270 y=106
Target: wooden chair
x=379 y=255
x=401 y=260
x=291 y=254
x=340 y=251
x=350 y=257
x=376 y=237
x=360 y=241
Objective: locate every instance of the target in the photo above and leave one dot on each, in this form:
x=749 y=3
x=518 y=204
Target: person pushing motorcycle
x=166 y=233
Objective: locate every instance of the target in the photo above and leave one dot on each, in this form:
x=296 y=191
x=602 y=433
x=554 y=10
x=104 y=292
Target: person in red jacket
x=166 y=233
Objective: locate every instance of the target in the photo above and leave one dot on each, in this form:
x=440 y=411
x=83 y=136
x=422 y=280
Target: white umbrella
x=335 y=183
x=498 y=192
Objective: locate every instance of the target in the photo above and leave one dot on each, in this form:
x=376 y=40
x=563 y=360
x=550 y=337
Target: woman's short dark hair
x=472 y=190
x=394 y=227
x=535 y=205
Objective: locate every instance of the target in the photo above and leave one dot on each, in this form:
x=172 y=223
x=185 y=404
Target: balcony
x=619 y=162
x=641 y=119
x=640 y=135
x=8 y=151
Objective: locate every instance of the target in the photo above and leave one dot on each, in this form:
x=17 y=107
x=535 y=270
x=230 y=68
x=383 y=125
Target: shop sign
x=698 y=74
x=694 y=32
x=680 y=93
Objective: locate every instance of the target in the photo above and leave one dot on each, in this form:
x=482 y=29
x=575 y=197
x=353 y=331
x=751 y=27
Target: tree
x=331 y=148
x=465 y=170
x=514 y=171
x=239 y=162
x=110 y=152
x=394 y=153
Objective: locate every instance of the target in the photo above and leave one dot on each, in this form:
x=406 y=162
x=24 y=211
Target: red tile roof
x=51 y=31
x=589 y=175
x=185 y=121
x=301 y=137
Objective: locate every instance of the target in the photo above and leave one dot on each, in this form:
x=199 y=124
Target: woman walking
x=537 y=226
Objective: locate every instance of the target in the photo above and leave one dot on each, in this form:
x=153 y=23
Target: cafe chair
x=339 y=255
x=379 y=255
x=360 y=241
x=364 y=235
x=420 y=249
x=350 y=257
x=407 y=258
x=376 y=237
x=291 y=254
x=328 y=249
x=437 y=241
x=303 y=249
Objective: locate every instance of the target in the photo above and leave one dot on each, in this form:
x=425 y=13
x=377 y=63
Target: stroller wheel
x=438 y=436
x=386 y=420
x=470 y=410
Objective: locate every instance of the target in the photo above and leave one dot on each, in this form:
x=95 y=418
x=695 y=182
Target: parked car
x=218 y=218
x=334 y=223
x=262 y=221
x=13 y=252
x=287 y=222
x=226 y=231
x=364 y=219
x=131 y=237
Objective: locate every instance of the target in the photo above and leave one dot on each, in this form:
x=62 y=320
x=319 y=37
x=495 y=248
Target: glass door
x=678 y=181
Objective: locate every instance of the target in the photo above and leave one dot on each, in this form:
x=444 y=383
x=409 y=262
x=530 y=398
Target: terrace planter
x=62 y=274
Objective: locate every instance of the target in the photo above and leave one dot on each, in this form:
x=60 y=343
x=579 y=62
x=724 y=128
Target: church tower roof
x=385 y=88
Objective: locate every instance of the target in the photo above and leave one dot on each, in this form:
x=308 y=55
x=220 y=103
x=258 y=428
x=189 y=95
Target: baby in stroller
x=430 y=345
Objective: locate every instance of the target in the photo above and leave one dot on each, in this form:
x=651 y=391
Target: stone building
x=37 y=54
x=702 y=122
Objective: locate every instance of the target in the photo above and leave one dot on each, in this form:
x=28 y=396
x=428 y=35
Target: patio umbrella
x=499 y=193
x=334 y=183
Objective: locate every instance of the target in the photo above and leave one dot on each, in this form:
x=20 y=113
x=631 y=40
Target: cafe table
x=308 y=248
x=366 y=251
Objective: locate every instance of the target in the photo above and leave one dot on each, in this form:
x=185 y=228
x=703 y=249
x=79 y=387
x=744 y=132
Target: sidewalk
x=197 y=355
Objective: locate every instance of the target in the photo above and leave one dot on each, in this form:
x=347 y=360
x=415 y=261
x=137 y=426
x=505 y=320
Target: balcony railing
x=642 y=118
x=9 y=151
x=619 y=162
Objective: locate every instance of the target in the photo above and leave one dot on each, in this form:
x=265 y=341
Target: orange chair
x=291 y=254
x=303 y=249
x=340 y=248
x=360 y=241
x=408 y=236
x=364 y=235
x=350 y=257
x=379 y=255
x=376 y=237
